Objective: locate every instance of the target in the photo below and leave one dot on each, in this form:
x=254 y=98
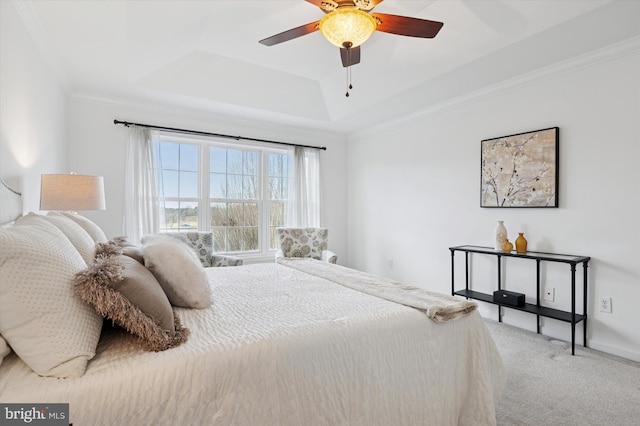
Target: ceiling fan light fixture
x=347 y=26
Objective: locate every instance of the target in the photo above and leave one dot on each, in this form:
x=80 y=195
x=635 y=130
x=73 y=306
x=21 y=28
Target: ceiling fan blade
x=350 y=57
x=291 y=34
x=403 y=25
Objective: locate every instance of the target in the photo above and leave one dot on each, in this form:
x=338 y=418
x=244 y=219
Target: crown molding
x=595 y=57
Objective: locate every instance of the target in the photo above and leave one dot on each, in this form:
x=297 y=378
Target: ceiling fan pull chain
x=349 y=86
x=348 y=83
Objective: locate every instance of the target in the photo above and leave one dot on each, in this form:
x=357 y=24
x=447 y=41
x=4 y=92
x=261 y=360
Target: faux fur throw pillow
x=120 y=245
x=178 y=270
x=124 y=291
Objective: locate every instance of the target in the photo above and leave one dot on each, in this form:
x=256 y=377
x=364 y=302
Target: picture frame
x=520 y=170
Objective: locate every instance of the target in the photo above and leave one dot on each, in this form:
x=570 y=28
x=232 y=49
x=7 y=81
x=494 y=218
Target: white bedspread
x=280 y=347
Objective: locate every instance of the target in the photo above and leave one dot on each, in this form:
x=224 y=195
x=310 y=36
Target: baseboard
x=614 y=350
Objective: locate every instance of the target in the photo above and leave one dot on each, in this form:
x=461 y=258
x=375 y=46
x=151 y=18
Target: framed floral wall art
x=520 y=170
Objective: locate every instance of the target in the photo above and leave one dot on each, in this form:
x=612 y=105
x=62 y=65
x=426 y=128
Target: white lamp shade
x=71 y=192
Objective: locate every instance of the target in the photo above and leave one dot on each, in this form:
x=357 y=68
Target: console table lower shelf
x=543 y=311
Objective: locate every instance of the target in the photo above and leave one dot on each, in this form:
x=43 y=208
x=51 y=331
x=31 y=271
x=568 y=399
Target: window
x=237 y=192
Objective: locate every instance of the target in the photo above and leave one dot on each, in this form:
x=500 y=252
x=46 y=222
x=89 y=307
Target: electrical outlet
x=390 y=263
x=605 y=305
x=549 y=294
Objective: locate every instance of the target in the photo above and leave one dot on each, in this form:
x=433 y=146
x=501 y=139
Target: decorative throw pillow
x=80 y=239
x=92 y=229
x=124 y=291
x=178 y=270
x=120 y=245
x=49 y=327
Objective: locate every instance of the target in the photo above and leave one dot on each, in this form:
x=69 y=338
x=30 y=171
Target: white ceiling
x=205 y=54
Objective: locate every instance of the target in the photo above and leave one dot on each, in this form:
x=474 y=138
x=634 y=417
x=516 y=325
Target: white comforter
x=281 y=347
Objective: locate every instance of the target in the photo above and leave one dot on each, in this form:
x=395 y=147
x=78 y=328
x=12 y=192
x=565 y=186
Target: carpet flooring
x=547 y=386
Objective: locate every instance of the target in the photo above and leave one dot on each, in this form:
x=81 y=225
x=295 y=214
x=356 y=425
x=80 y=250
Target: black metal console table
x=540 y=311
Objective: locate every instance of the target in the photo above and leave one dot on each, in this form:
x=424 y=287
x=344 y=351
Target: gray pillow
x=123 y=290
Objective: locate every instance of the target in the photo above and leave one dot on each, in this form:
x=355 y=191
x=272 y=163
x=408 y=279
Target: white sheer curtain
x=304 y=189
x=140 y=208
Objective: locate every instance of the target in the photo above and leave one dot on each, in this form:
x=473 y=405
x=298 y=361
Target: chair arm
x=218 y=260
x=329 y=256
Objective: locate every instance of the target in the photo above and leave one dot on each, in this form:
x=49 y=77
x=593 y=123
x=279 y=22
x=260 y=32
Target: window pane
x=278 y=165
x=169 y=186
x=189 y=157
x=235 y=239
x=188 y=216
x=250 y=188
x=178 y=216
x=219 y=239
x=218 y=214
x=234 y=186
x=276 y=214
x=169 y=215
x=217 y=185
x=273 y=242
x=169 y=154
x=218 y=160
x=189 y=184
x=250 y=163
x=276 y=188
x=236 y=216
x=251 y=239
x=251 y=214
x=275 y=165
x=234 y=161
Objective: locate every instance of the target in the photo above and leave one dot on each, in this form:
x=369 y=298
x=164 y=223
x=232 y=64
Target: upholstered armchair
x=305 y=242
x=202 y=242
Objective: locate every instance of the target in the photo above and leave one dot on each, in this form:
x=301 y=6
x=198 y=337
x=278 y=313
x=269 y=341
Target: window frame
x=204 y=200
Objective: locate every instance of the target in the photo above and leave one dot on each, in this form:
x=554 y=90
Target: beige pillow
x=49 y=327
x=92 y=229
x=4 y=349
x=80 y=239
x=123 y=290
x=178 y=270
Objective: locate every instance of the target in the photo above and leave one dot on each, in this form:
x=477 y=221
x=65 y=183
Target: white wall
x=414 y=192
x=32 y=111
x=97 y=146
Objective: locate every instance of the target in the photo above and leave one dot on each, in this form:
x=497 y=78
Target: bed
x=287 y=344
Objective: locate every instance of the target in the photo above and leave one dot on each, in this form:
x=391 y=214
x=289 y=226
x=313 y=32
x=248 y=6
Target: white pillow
x=92 y=229
x=178 y=270
x=4 y=349
x=80 y=239
x=47 y=325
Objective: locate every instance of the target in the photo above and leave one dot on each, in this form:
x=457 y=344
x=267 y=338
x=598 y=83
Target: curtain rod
x=197 y=132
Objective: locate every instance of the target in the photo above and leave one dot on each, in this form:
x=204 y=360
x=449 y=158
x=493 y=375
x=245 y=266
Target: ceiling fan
x=349 y=23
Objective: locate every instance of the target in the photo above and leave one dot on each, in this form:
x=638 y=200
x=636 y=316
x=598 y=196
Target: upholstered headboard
x=10 y=203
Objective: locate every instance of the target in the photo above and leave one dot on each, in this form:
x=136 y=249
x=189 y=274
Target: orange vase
x=521 y=243
x=507 y=246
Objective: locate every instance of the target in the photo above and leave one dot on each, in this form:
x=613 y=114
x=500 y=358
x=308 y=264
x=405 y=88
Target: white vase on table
x=500 y=235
